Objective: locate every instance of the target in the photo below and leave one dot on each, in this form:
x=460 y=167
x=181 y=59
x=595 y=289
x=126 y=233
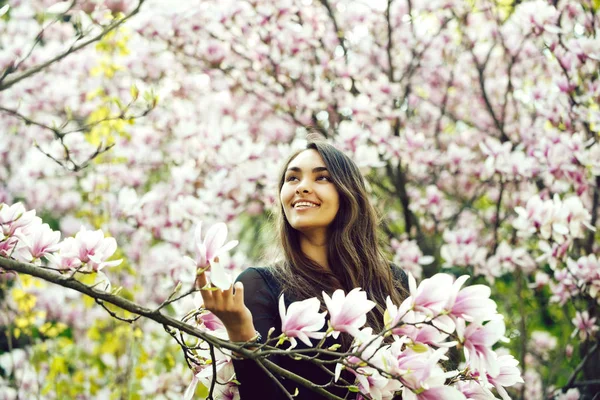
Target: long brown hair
x=354 y=253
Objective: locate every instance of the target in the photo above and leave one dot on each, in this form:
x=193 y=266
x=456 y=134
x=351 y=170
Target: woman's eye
x=325 y=178
x=290 y=178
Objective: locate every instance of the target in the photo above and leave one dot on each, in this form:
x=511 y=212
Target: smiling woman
x=328 y=237
x=310 y=200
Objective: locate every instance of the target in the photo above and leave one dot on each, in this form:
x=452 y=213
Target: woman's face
x=310 y=199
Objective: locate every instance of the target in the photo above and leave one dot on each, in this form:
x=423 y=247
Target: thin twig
x=39 y=68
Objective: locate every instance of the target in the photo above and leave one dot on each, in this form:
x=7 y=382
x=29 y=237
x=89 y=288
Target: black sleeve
x=262 y=303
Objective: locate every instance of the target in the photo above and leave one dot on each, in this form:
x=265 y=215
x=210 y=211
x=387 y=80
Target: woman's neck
x=314 y=246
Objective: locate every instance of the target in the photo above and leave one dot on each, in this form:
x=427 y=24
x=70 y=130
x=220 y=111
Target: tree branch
x=577 y=370
x=156 y=316
x=34 y=70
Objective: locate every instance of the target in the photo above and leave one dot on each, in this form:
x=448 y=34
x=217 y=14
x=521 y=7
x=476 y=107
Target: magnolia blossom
x=553 y=218
x=14 y=217
x=474 y=390
x=542 y=343
x=347 y=313
x=585 y=325
x=88 y=251
x=41 y=242
x=478 y=340
x=587 y=271
x=462 y=249
x=207 y=320
x=427 y=297
x=507 y=374
x=409 y=257
x=571 y=394
x=423 y=378
x=208 y=251
x=302 y=320
x=506 y=259
x=471 y=303
x=227 y=389
x=369 y=379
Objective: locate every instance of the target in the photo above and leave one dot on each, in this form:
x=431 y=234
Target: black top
x=261 y=296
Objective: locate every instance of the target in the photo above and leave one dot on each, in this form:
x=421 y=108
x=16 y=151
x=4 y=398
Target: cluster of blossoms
x=407 y=356
x=27 y=239
x=555 y=219
x=408 y=254
x=421 y=94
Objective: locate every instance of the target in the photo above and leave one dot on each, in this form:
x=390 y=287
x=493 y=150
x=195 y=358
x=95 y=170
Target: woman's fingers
x=226 y=297
x=201 y=280
x=238 y=296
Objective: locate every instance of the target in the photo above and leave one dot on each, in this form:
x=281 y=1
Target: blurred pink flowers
x=585 y=325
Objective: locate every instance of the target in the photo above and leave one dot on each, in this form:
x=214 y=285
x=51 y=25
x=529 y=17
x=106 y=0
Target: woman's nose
x=303 y=187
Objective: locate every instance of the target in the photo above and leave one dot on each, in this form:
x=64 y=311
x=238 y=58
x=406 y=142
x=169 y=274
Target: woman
x=327 y=231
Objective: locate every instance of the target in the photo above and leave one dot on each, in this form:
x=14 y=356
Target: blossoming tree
x=476 y=124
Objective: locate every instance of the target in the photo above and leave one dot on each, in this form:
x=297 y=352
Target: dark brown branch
x=213 y=381
x=114 y=315
x=577 y=370
x=497 y=221
x=270 y=375
x=154 y=315
x=589 y=245
x=481 y=67
x=389 y=45
x=29 y=121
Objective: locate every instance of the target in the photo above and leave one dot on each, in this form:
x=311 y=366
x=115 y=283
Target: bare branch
x=577 y=370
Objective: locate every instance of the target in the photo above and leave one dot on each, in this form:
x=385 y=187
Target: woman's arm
x=262 y=303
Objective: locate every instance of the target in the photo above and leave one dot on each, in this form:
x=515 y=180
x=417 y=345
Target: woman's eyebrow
x=317 y=169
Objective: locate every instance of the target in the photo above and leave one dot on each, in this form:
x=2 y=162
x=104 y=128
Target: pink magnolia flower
x=508 y=374
x=471 y=303
x=478 y=340
x=208 y=251
x=7 y=246
x=207 y=320
x=542 y=343
x=14 y=217
x=88 y=248
x=225 y=389
x=585 y=325
x=410 y=257
x=376 y=386
x=462 y=248
x=474 y=390
x=423 y=378
x=213 y=243
x=42 y=241
x=406 y=323
x=432 y=294
x=347 y=313
x=572 y=394
x=302 y=320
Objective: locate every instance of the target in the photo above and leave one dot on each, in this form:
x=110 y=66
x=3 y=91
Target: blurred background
x=475 y=123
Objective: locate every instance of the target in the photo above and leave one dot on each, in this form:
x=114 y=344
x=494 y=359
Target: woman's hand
x=228 y=306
